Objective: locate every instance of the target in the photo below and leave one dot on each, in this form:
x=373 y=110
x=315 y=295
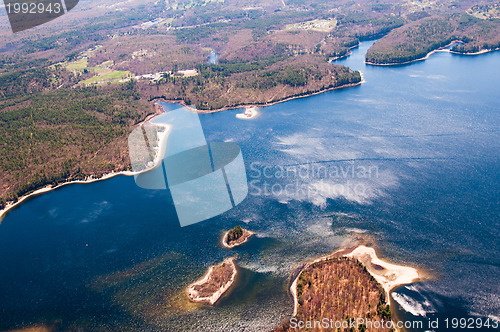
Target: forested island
x=348 y=286
x=342 y=290
x=71 y=93
x=236 y=237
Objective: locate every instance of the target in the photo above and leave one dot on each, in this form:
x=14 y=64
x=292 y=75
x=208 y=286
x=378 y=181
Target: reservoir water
x=409 y=161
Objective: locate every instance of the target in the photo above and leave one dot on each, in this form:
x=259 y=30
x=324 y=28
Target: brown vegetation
x=339 y=289
x=415 y=40
x=65 y=134
x=217 y=281
x=226 y=86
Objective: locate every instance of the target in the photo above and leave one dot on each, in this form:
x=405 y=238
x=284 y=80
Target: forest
x=65 y=134
x=341 y=289
x=416 y=40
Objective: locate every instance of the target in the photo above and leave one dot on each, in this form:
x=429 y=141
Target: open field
x=78 y=66
x=112 y=76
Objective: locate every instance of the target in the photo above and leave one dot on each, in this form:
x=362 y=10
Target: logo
x=26 y=14
x=171 y=152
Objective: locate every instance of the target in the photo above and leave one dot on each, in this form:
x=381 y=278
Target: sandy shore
x=250 y=113
x=475 y=53
x=441 y=49
x=387 y=274
x=335 y=58
x=406 y=62
x=40 y=328
x=195 y=297
x=362 y=77
x=246 y=234
x=11 y=205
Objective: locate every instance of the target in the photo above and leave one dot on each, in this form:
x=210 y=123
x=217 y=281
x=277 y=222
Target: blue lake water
x=409 y=161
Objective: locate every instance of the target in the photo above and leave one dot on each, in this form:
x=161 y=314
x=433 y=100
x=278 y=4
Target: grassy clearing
x=106 y=64
x=59 y=64
x=167 y=21
x=112 y=76
x=104 y=74
x=79 y=65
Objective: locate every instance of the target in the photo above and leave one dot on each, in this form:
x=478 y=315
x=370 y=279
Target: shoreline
x=48 y=188
x=246 y=233
x=387 y=274
x=10 y=205
x=345 y=55
x=257 y=105
x=393 y=275
x=340 y=57
x=249 y=114
x=441 y=49
x=193 y=294
x=476 y=53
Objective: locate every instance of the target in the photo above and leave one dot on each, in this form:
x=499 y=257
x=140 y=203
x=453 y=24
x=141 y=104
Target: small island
x=214 y=284
x=348 y=286
x=236 y=237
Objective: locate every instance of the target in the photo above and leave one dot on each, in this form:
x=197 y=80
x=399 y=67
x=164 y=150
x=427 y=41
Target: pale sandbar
x=249 y=114
x=214 y=284
x=387 y=274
